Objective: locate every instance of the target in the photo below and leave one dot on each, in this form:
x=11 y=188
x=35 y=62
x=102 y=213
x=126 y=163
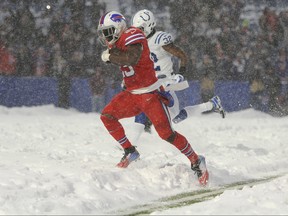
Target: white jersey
x=164 y=67
x=162 y=60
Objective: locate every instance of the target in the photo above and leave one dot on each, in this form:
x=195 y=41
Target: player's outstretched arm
x=179 y=53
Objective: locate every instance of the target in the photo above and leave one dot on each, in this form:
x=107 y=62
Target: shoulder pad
x=133 y=35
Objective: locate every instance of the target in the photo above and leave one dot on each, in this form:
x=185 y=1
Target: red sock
x=116 y=130
x=124 y=142
x=184 y=146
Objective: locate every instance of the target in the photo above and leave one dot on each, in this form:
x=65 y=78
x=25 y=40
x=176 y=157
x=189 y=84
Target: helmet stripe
x=102 y=18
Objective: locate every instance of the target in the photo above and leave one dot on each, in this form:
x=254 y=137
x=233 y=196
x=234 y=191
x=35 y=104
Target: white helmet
x=144 y=19
x=111 y=26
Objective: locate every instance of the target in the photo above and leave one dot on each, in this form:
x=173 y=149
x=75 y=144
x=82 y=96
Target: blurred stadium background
x=49 y=53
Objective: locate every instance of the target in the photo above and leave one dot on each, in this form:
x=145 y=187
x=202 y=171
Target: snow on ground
x=56 y=161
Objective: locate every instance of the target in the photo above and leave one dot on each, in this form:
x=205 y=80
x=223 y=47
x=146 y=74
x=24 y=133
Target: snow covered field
x=56 y=161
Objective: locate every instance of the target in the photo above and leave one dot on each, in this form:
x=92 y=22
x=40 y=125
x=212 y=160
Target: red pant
x=126 y=104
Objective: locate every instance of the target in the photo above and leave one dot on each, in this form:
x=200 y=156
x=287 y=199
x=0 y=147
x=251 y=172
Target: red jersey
x=142 y=74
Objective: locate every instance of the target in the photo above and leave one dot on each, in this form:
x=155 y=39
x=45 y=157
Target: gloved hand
x=182 y=70
x=177 y=78
x=105 y=56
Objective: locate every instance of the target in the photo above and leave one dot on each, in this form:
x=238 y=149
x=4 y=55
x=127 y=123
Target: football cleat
x=217 y=106
x=130 y=155
x=180 y=117
x=201 y=171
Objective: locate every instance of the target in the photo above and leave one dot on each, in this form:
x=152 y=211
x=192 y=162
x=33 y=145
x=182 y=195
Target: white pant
x=174 y=110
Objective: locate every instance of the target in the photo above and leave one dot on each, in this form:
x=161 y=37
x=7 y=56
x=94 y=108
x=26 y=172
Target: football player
x=128 y=48
x=162 y=49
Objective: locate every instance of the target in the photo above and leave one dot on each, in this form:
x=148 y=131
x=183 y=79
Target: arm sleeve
x=163 y=38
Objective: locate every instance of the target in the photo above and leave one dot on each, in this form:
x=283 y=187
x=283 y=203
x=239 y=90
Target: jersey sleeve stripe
x=134 y=35
x=158 y=37
x=135 y=39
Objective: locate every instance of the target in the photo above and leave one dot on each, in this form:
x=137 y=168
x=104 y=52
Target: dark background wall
x=33 y=91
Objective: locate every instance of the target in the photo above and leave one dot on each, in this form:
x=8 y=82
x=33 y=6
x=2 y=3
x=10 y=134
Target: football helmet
x=144 y=20
x=111 y=26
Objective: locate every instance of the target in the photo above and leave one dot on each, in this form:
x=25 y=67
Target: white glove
x=105 y=56
x=177 y=78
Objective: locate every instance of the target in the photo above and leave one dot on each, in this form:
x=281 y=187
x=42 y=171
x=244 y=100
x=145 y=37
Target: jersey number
x=127 y=71
x=155 y=59
x=167 y=39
